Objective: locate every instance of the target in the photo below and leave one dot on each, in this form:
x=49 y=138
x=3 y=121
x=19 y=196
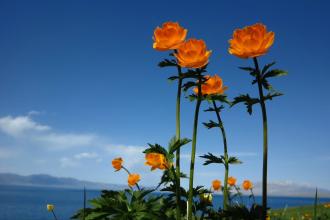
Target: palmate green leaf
x=247 y=100
x=211 y=124
x=266 y=84
x=234 y=160
x=270 y=96
x=167 y=62
x=174 y=146
x=188 y=85
x=217 y=97
x=155 y=148
x=210 y=158
x=275 y=73
x=266 y=67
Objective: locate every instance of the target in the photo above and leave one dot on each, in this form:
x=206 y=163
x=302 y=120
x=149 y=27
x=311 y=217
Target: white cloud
x=132 y=155
x=86 y=155
x=24 y=127
x=16 y=126
x=66 y=162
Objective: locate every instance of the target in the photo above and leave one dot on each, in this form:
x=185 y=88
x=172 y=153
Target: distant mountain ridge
x=51 y=181
x=274 y=189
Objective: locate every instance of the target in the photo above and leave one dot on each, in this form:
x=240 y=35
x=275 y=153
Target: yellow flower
x=50 y=207
x=327 y=205
x=232 y=181
x=133 y=179
x=247 y=185
x=251 y=41
x=216 y=184
x=193 y=54
x=206 y=197
x=169 y=36
x=212 y=86
x=117 y=163
x=156 y=160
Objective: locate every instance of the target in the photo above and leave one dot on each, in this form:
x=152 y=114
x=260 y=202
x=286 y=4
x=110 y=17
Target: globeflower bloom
x=212 y=86
x=156 y=160
x=251 y=41
x=247 y=185
x=133 y=179
x=216 y=184
x=232 y=181
x=169 y=36
x=193 y=54
x=117 y=163
x=50 y=207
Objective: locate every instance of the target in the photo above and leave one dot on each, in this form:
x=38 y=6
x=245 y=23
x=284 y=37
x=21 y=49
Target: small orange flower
x=117 y=163
x=169 y=36
x=216 y=184
x=193 y=54
x=133 y=179
x=232 y=181
x=247 y=185
x=156 y=160
x=251 y=41
x=212 y=86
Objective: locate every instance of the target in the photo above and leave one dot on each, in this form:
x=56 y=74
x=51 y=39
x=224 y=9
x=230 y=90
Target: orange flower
x=232 y=181
x=216 y=184
x=251 y=41
x=117 y=163
x=212 y=86
x=133 y=179
x=247 y=185
x=193 y=54
x=156 y=160
x=169 y=36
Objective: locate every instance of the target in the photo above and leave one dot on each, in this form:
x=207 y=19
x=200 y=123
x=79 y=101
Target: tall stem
x=265 y=141
x=54 y=215
x=225 y=150
x=177 y=137
x=193 y=151
x=127 y=171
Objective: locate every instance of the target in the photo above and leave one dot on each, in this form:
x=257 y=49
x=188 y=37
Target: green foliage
x=210 y=158
x=211 y=124
x=240 y=212
x=126 y=205
x=247 y=100
x=167 y=63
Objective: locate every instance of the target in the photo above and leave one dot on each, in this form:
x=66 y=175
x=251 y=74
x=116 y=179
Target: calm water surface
x=29 y=203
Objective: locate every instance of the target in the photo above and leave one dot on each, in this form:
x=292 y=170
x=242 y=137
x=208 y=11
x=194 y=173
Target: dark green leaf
x=210 y=158
x=275 y=73
x=234 y=160
x=174 y=146
x=167 y=62
x=266 y=67
x=270 y=96
x=211 y=124
x=247 y=100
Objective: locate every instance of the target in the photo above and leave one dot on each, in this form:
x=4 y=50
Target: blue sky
x=79 y=85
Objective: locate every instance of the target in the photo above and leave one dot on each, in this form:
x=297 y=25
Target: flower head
x=212 y=86
x=117 y=163
x=193 y=54
x=247 y=185
x=206 y=197
x=169 y=36
x=216 y=184
x=50 y=207
x=251 y=41
x=232 y=181
x=156 y=160
x=133 y=179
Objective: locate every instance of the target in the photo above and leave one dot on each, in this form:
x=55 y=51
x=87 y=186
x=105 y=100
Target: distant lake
x=29 y=203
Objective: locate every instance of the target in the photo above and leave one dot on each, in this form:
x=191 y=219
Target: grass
x=301 y=213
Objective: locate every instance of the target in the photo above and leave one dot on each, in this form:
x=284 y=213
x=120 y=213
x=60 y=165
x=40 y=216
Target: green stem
x=177 y=137
x=193 y=151
x=54 y=215
x=265 y=140
x=225 y=149
x=239 y=194
x=252 y=194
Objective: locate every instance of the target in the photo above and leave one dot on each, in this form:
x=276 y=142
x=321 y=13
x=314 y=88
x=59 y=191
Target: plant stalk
x=265 y=140
x=177 y=156
x=225 y=150
x=193 y=150
x=54 y=215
